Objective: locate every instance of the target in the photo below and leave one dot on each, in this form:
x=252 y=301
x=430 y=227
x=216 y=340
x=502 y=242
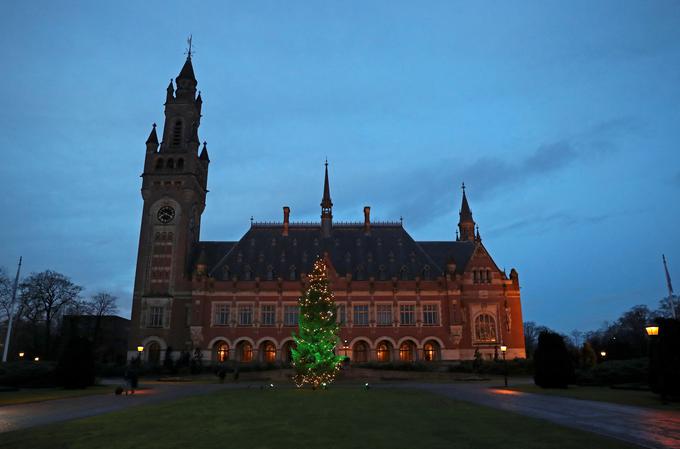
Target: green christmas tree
x=314 y=358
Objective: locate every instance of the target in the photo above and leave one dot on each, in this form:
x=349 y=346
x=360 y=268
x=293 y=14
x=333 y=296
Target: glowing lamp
x=652 y=331
x=603 y=353
x=37 y=359
x=140 y=348
x=21 y=354
x=504 y=348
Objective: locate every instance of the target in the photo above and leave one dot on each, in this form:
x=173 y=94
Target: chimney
x=286 y=217
x=367 y=219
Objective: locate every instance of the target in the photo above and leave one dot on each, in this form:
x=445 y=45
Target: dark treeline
x=43 y=299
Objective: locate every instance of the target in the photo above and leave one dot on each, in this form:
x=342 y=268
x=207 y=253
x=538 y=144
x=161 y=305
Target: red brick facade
x=398 y=299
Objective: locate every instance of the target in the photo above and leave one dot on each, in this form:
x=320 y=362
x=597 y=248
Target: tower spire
x=670 y=287
x=152 y=141
x=466 y=224
x=326 y=206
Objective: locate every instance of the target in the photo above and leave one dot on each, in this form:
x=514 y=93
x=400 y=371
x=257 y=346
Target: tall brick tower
x=174 y=187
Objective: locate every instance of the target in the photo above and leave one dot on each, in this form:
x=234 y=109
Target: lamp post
x=21 y=356
x=504 y=349
x=654 y=368
x=140 y=349
x=603 y=354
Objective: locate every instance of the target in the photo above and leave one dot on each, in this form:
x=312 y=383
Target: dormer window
x=270 y=273
x=247 y=273
x=404 y=273
x=292 y=273
x=426 y=272
x=381 y=273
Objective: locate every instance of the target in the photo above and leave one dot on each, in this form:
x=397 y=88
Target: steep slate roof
x=387 y=251
x=187 y=71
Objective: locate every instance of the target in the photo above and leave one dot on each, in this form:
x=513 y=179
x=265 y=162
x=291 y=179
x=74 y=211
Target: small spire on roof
x=153 y=137
x=204 y=152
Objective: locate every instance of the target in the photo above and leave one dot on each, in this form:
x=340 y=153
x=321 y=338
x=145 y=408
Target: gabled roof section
x=187 y=71
x=387 y=252
x=442 y=252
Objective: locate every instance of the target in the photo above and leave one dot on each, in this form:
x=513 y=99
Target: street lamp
x=140 y=349
x=603 y=354
x=652 y=330
x=21 y=355
x=36 y=359
x=504 y=349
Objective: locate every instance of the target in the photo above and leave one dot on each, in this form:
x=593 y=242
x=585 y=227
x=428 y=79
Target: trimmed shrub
x=552 y=363
x=75 y=368
x=28 y=374
x=614 y=372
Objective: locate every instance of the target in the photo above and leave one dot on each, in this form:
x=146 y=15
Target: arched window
x=485 y=328
x=180 y=164
x=475 y=276
x=221 y=351
x=246 y=352
x=171 y=163
x=488 y=276
x=269 y=352
x=431 y=351
x=383 y=352
x=407 y=351
x=287 y=351
x=154 y=352
x=159 y=163
x=404 y=273
x=177 y=133
x=360 y=352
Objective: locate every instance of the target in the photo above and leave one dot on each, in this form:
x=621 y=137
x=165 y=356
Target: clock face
x=166 y=214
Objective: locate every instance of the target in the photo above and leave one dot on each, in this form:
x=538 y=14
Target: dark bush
x=664 y=375
x=75 y=368
x=28 y=374
x=614 y=372
x=552 y=362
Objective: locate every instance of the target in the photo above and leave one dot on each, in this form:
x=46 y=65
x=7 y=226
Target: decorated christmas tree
x=314 y=358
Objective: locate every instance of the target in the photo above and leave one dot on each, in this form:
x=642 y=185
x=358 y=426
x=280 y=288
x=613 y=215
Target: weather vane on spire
x=463 y=187
x=189 y=51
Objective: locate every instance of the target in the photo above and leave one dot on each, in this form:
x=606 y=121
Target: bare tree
x=48 y=293
x=102 y=304
x=5 y=295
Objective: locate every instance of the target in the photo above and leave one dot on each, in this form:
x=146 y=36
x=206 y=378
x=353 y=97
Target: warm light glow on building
x=140 y=348
x=21 y=354
x=652 y=330
x=504 y=348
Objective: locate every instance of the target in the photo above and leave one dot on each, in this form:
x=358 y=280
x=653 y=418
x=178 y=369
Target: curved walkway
x=646 y=427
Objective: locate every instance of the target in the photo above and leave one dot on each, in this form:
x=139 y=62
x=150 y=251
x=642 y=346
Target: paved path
x=21 y=416
x=645 y=427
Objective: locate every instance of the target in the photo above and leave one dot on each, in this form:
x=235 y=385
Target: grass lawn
x=602 y=394
x=46 y=394
x=341 y=417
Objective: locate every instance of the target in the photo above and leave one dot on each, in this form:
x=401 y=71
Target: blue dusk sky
x=562 y=118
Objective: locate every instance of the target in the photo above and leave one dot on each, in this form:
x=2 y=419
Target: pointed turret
x=152 y=141
x=204 y=153
x=186 y=81
x=326 y=207
x=466 y=224
x=169 y=93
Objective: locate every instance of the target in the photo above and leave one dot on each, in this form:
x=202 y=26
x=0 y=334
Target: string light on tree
x=314 y=357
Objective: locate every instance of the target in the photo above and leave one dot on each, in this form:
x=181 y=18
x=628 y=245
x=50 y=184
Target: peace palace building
x=398 y=299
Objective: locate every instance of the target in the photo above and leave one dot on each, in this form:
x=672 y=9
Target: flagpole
x=670 y=287
x=11 y=313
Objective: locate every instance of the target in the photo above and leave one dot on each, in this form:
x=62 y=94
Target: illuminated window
x=221 y=314
x=430 y=315
x=156 y=317
x=269 y=352
x=431 y=351
x=485 y=328
x=384 y=314
x=383 y=352
x=268 y=312
x=407 y=314
x=245 y=315
x=290 y=315
x=361 y=315
x=407 y=351
x=246 y=352
x=221 y=352
x=360 y=352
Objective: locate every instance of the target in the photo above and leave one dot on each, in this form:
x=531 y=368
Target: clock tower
x=174 y=187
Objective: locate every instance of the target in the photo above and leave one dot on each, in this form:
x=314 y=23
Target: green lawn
x=47 y=394
x=602 y=394
x=341 y=417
